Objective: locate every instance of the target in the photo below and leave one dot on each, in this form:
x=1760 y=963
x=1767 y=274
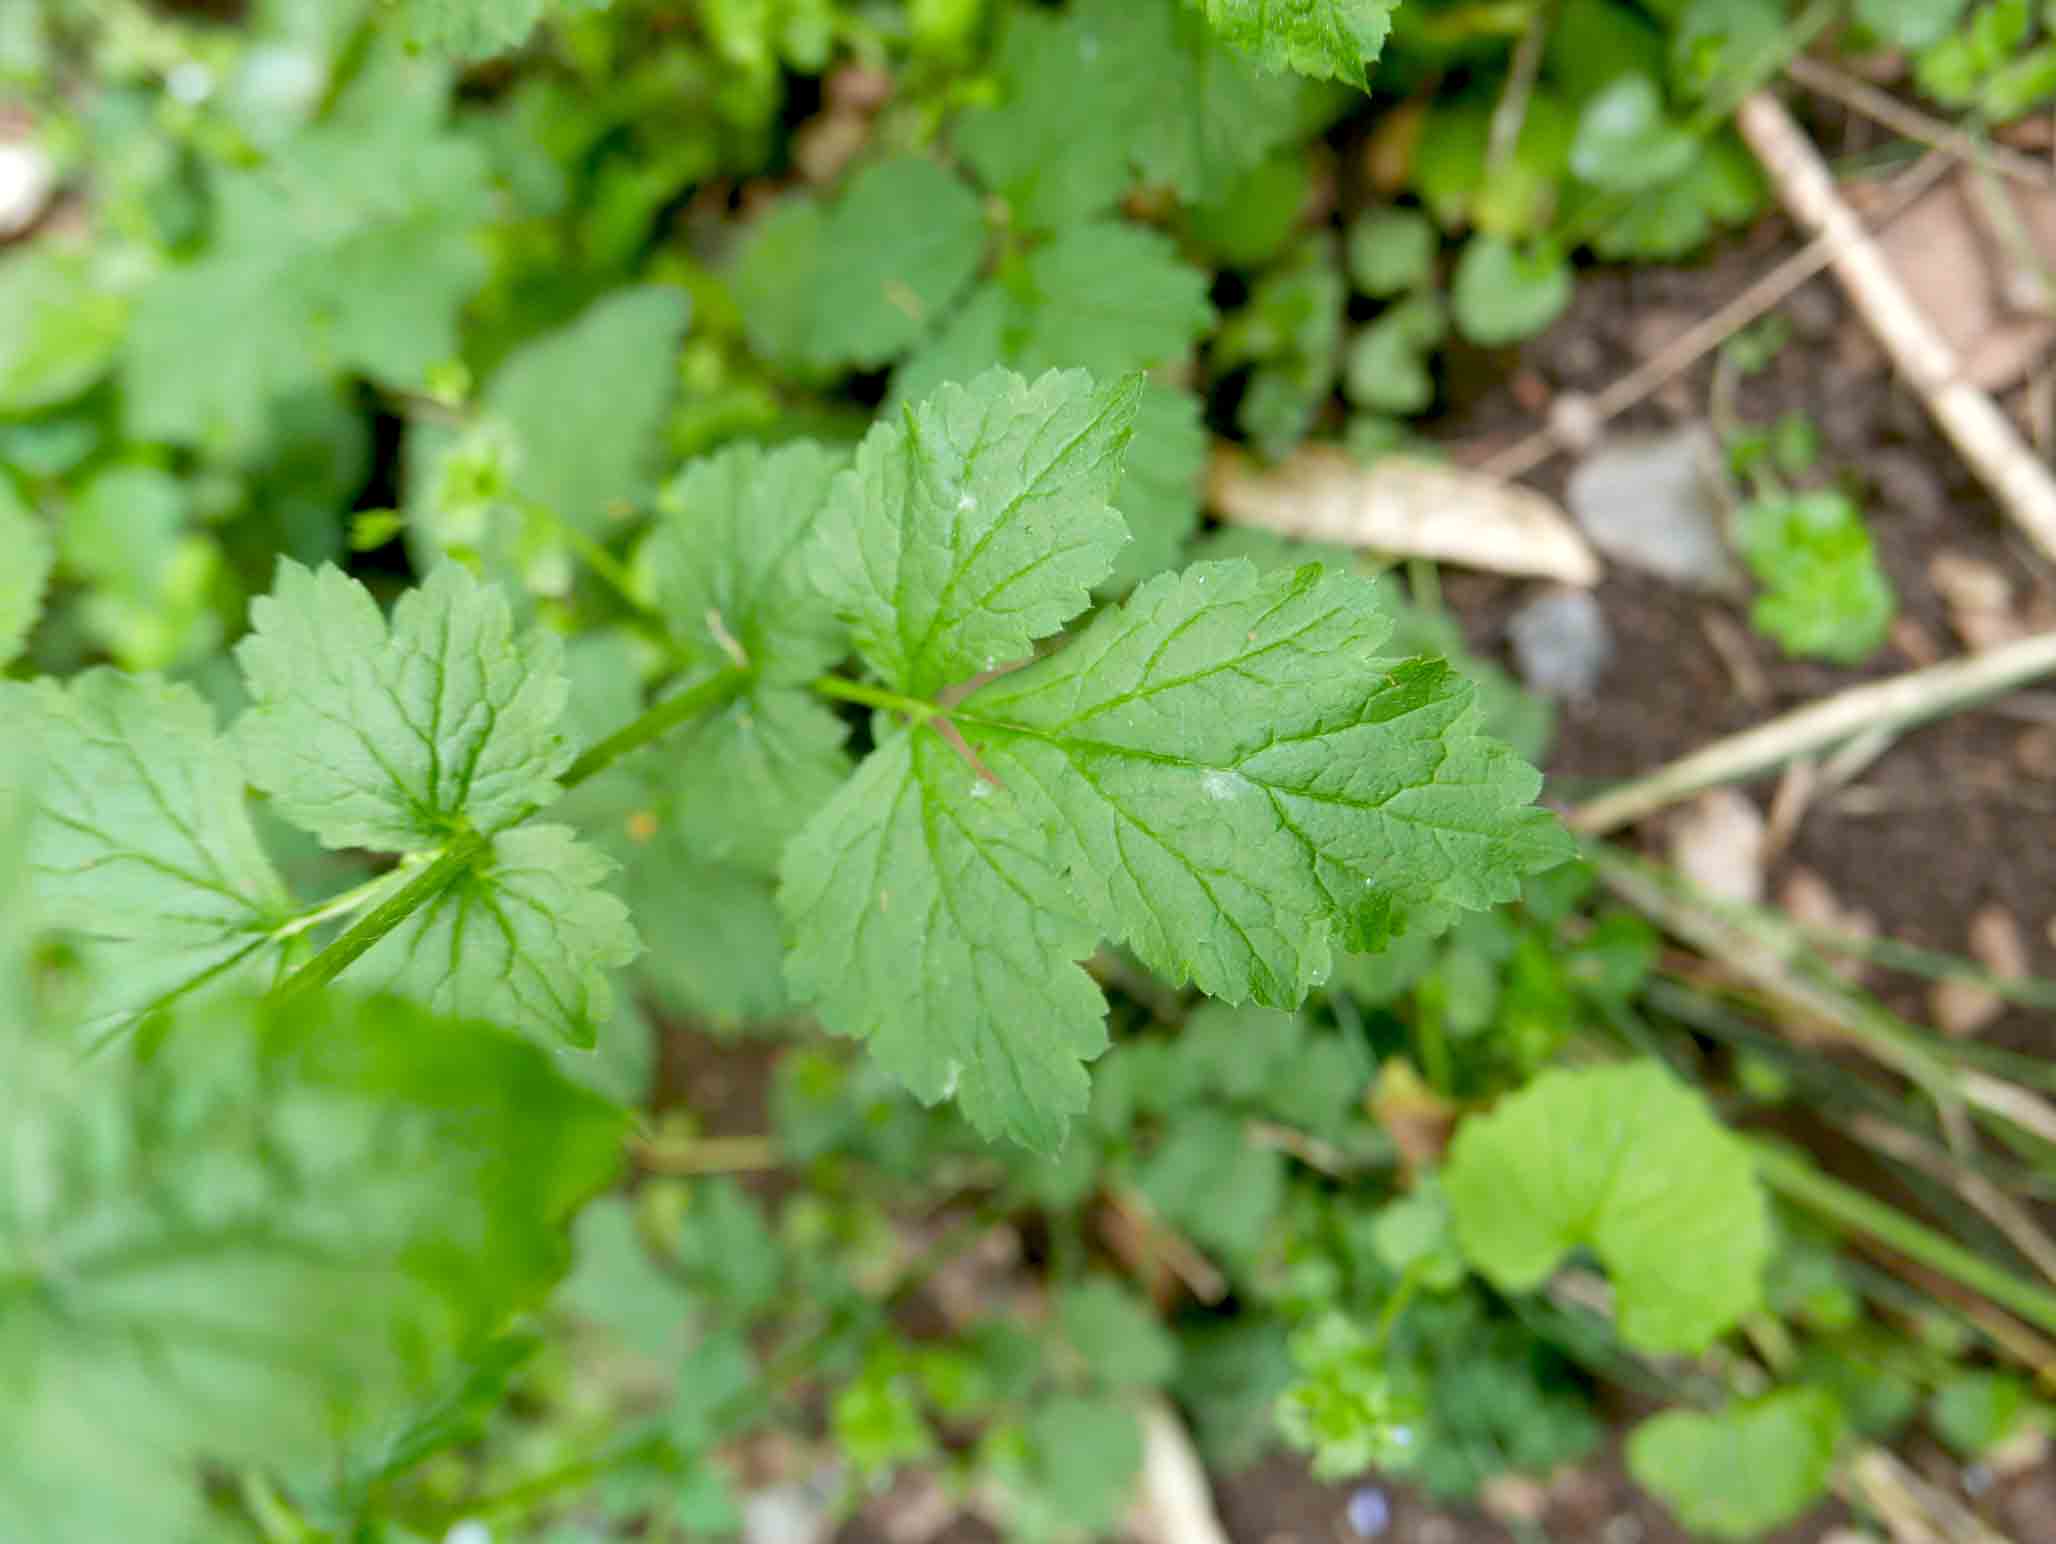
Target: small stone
x=1656 y=503
x=1369 y=1512
x=1574 y=422
x=784 y=1514
x=1514 y=1499
x=27 y=179
x=1717 y=844
x=1561 y=643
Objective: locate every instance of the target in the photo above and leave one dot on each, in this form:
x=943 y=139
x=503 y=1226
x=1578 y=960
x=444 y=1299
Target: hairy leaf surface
x=141 y=849
x=1336 y=39
x=930 y=920
x=1233 y=781
x=525 y=939
x=393 y=735
x=976 y=524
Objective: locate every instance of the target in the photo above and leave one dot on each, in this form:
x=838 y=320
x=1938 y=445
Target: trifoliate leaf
x=1784 y=1443
x=263 y=1244
x=524 y=938
x=1118 y=1338
x=349 y=249
x=393 y=736
x=1108 y=298
x=1825 y=594
x=728 y=558
x=858 y=285
x=1234 y=782
x=586 y=403
x=1329 y=39
x=976 y=524
x=26 y=573
x=929 y=919
x=1624 y=1161
x=142 y=848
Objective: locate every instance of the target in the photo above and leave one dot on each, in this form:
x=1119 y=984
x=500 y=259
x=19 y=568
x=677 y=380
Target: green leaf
x=1116 y=1335
x=524 y=938
x=715 y=940
x=395 y=736
x=728 y=555
x=976 y=524
x=1626 y=143
x=1502 y=294
x=1159 y=495
x=1784 y=1442
x=1392 y=251
x=585 y=405
x=268 y=1243
x=1108 y=297
x=1116 y=88
x=1826 y=595
x=1334 y=39
x=932 y=922
x=1624 y=1161
x=1212 y=1183
x=1346 y=1408
x=1083 y=1456
x=468 y=29
x=349 y=249
x=1233 y=784
x=142 y=850
x=617 y=1285
x=26 y=573
x=62 y=327
x=1292 y=330
x=857 y=285
x=1387 y=368
x=1104 y=296
x=1910 y=23
x=1976 y=1411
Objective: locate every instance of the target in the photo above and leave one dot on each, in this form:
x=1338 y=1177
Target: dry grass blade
x=1862 y=710
x=2000 y=1209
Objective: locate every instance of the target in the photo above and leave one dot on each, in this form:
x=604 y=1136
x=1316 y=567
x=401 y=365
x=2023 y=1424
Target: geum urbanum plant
x=1220 y=773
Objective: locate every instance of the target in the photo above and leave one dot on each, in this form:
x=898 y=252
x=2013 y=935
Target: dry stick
x=1912 y=1510
x=1894 y=703
x=1685 y=350
x=1983 y=436
x=1861 y=96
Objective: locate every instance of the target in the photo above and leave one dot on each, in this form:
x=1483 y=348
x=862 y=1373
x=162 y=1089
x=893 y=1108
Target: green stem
x=1800 y=1182
x=875 y=697
x=1395 y=1305
x=593 y=555
x=396 y=908
x=352 y=900
x=717 y=691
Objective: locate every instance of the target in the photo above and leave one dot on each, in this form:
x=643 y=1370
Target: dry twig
x=1982 y=434
x=1862 y=710
x=1880 y=105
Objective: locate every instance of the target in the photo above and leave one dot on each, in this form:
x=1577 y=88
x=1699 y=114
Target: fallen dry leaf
x=1979 y=598
x=1405 y=507
x=1417 y=1118
x=1960 y=279
x=1718 y=842
x=1808 y=900
x=1965 y=1007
